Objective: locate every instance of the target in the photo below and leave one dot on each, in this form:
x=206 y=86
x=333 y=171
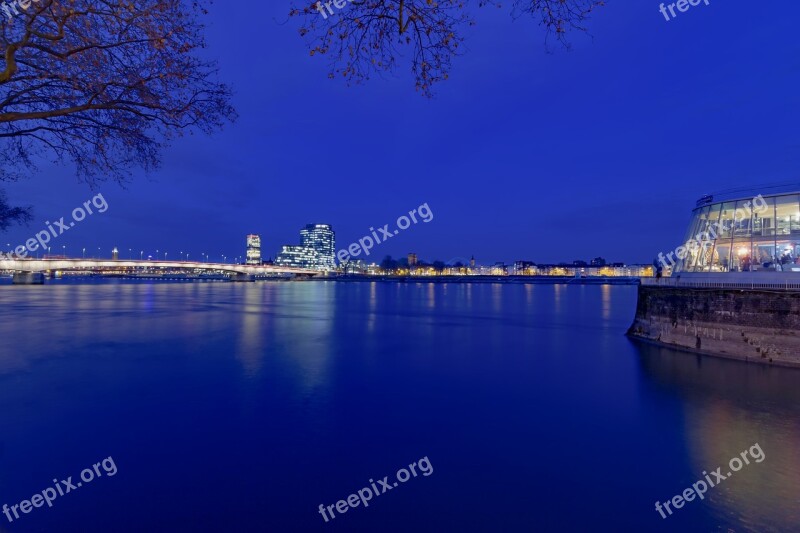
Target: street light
x=64 y=247
x=130 y=254
x=165 y=256
x=141 y=255
x=84 y=252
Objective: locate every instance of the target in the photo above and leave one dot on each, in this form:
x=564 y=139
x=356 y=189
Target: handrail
x=716 y=284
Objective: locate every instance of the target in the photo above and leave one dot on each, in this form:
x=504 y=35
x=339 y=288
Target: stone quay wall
x=755 y=325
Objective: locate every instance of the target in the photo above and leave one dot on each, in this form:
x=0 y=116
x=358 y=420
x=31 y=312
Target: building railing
x=718 y=282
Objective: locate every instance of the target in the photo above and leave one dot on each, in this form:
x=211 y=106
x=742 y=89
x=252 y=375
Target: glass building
x=295 y=256
x=253 y=249
x=316 y=251
x=743 y=233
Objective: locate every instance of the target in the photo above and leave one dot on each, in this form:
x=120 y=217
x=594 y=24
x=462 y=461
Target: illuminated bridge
x=237 y=272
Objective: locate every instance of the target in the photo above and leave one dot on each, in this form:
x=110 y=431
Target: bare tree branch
x=12 y=215
x=365 y=37
x=103 y=84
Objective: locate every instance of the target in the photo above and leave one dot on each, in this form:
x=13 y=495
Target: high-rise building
x=322 y=240
x=316 y=250
x=253 y=249
x=412 y=259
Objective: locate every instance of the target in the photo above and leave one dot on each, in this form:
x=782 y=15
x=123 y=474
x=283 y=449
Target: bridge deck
x=42 y=265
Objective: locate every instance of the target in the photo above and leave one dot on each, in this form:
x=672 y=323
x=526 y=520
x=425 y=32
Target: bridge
x=237 y=271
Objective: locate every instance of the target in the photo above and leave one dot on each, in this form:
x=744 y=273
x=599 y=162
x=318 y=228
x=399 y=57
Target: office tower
x=321 y=240
x=316 y=250
x=412 y=259
x=253 y=249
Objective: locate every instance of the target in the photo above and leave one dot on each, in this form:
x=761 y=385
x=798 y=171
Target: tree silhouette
x=365 y=37
x=12 y=215
x=102 y=84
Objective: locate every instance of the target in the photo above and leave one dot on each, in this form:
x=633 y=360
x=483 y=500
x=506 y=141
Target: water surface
x=243 y=407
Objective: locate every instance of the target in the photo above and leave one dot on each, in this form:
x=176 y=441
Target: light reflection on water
x=298 y=392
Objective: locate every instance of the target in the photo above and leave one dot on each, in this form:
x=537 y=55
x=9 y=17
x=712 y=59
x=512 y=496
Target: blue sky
x=522 y=154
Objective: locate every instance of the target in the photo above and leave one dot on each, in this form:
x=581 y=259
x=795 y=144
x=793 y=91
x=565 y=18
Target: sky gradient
x=522 y=154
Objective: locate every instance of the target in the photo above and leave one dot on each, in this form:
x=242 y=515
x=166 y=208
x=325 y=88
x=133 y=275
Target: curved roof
x=741 y=193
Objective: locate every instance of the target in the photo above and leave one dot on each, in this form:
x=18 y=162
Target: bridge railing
x=40 y=265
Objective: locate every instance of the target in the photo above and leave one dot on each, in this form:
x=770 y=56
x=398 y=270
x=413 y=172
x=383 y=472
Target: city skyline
x=612 y=170
x=255 y=240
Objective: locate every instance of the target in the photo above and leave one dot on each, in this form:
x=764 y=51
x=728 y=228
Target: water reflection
x=729 y=406
x=606 y=292
x=253 y=329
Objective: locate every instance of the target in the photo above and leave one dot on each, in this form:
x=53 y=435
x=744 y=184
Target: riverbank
x=544 y=280
x=753 y=325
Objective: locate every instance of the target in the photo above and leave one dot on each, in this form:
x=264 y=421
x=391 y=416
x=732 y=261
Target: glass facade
x=295 y=256
x=316 y=251
x=253 y=249
x=321 y=239
x=748 y=234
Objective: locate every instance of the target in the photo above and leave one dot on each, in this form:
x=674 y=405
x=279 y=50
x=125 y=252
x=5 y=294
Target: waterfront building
x=316 y=250
x=499 y=269
x=742 y=233
x=253 y=256
x=296 y=256
x=524 y=268
x=321 y=239
x=412 y=259
x=735 y=291
x=354 y=266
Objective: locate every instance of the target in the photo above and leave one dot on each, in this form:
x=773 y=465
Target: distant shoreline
x=356 y=278
x=542 y=280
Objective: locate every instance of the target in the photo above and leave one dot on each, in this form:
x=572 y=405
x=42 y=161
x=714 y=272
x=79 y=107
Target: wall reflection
x=729 y=406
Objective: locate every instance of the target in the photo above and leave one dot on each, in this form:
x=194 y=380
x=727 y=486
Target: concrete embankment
x=756 y=325
x=28 y=278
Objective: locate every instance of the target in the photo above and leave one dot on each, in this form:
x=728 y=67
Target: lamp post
x=64 y=247
x=130 y=254
x=141 y=255
x=84 y=252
